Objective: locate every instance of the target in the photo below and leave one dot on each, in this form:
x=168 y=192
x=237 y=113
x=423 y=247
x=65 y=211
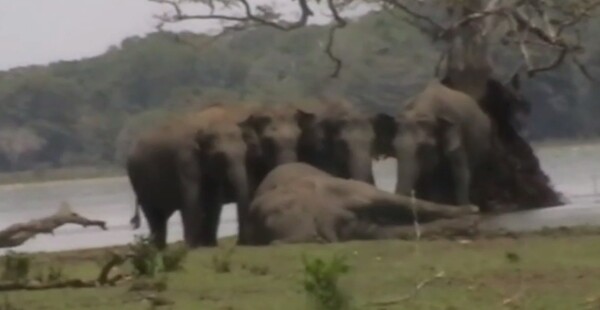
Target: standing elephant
x=195 y=165
x=441 y=137
x=341 y=140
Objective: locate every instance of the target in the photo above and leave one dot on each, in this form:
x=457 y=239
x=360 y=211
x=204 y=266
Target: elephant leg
x=213 y=218
x=157 y=223
x=461 y=176
x=192 y=215
x=211 y=210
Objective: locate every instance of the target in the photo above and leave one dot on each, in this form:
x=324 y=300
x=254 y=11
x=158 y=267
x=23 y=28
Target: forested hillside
x=87 y=113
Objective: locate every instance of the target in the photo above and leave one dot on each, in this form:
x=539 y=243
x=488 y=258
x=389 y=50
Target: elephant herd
x=290 y=167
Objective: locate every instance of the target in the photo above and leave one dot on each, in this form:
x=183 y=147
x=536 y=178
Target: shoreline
x=90 y=174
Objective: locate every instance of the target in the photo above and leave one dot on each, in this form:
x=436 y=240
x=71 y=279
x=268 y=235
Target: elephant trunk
x=408 y=168
x=286 y=155
x=361 y=166
x=239 y=179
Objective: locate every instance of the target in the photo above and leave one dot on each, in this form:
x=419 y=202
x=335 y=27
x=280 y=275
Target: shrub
x=321 y=282
x=222 y=261
x=16 y=266
x=147 y=260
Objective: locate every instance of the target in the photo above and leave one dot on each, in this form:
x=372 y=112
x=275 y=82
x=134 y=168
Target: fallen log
x=17 y=234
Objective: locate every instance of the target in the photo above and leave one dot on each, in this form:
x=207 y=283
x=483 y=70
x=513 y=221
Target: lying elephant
x=298 y=203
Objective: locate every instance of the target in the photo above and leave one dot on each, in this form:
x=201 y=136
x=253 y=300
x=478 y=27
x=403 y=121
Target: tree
x=545 y=32
x=15 y=143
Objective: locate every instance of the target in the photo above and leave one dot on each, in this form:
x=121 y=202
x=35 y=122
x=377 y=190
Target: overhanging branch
x=533 y=22
x=339 y=24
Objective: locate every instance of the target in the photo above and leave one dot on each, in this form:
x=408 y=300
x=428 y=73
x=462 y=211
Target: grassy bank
x=550 y=271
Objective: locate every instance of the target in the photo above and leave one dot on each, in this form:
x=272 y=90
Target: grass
x=549 y=271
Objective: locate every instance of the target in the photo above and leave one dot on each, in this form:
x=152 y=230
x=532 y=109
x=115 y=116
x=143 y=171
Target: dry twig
x=412 y=294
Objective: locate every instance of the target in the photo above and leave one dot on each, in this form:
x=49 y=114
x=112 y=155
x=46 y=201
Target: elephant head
x=272 y=135
x=421 y=144
x=342 y=143
x=276 y=132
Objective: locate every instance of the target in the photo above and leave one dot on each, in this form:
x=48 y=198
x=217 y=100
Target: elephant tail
x=135 y=219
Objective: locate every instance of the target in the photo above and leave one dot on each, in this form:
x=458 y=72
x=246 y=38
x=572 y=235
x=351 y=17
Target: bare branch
x=250 y=17
x=103 y=279
x=552 y=65
x=578 y=17
x=582 y=68
x=339 y=24
x=431 y=27
x=17 y=234
x=532 y=22
x=414 y=292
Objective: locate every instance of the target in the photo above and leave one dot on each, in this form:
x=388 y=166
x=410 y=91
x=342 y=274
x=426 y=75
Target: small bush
x=174 y=257
x=16 y=266
x=147 y=260
x=222 y=261
x=54 y=273
x=321 y=282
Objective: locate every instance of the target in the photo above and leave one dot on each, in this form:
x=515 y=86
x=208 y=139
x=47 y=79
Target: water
x=571 y=169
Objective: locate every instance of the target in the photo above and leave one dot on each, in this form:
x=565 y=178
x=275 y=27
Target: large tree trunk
x=468 y=66
x=518 y=181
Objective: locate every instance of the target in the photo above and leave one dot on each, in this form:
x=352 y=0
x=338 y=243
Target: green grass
x=534 y=272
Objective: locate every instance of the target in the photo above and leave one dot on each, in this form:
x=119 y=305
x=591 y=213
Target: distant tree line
x=88 y=112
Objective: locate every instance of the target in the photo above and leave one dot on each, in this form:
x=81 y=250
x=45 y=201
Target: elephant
x=273 y=134
x=341 y=140
x=299 y=203
x=193 y=164
x=441 y=137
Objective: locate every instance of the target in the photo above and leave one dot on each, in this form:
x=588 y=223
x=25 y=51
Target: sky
x=43 y=31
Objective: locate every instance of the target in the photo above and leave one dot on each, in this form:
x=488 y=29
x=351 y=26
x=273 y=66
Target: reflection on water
x=572 y=170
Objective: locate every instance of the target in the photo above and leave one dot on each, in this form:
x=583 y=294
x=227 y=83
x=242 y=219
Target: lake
x=572 y=169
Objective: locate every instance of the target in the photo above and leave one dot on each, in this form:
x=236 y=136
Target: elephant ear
x=449 y=131
x=385 y=128
x=304 y=119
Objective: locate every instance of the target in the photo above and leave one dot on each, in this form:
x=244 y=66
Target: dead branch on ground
x=412 y=294
x=103 y=279
x=17 y=234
